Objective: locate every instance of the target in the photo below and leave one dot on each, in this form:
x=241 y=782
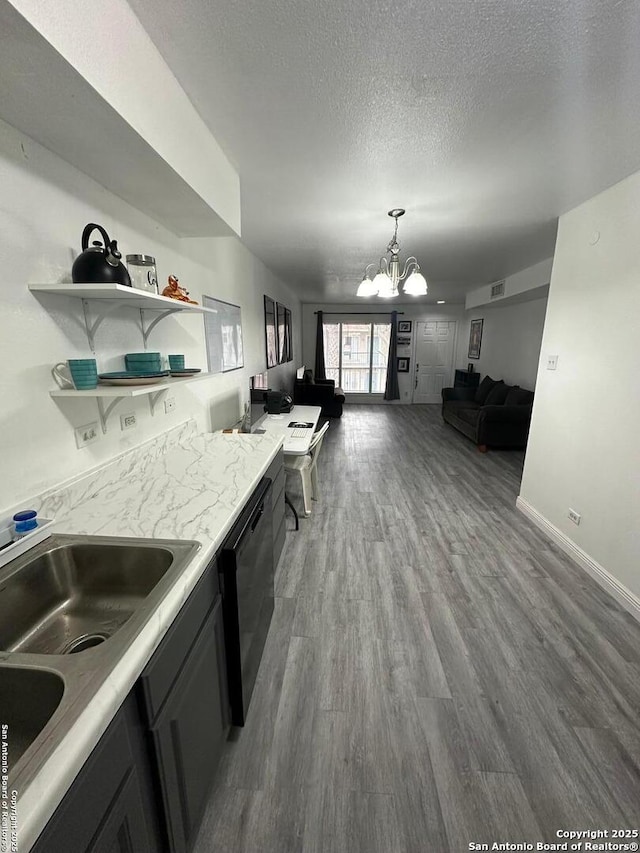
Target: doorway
x=435 y=342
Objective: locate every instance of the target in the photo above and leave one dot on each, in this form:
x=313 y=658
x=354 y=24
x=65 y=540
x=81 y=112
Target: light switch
x=552 y=362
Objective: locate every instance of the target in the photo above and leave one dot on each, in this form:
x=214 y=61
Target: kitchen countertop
x=182 y=485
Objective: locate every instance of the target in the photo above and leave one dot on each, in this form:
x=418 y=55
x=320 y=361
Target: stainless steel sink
x=75 y=596
x=29 y=699
x=70 y=608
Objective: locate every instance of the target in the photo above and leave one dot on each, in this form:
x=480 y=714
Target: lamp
x=388 y=277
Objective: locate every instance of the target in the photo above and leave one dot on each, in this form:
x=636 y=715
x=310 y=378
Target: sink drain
x=86 y=641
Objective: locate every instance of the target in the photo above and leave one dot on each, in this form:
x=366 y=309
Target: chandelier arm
x=366 y=269
x=410 y=261
x=384 y=266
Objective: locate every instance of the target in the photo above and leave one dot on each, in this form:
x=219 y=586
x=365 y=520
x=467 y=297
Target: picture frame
x=223 y=335
x=282 y=332
x=403 y=341
x=402 y=364
x=475 y=338
x=404 y=325
x=289 y=334
x=271 y=339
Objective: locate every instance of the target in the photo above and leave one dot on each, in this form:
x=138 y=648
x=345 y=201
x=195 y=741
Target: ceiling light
x=385 y=282
x=440 y=302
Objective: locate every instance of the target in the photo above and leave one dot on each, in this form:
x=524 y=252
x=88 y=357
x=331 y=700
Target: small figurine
x=174 y=291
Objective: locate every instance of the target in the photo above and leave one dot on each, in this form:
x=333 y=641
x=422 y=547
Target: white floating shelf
x=129 y=390
x=121 y=392
x=128 y=296
x=111 y=297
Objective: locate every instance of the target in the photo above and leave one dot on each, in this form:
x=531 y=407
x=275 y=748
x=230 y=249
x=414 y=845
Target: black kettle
x=99 y=264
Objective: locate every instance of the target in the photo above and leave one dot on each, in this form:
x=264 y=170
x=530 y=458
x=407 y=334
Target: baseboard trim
x=605 y=579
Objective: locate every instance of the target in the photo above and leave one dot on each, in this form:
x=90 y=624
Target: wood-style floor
x=437 y=672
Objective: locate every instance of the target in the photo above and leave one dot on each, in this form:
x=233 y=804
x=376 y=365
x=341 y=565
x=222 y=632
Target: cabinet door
x=188 y=735
x=123 y=829
x=110 y=807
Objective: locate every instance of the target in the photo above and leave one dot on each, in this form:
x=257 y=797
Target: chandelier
x=385 y=282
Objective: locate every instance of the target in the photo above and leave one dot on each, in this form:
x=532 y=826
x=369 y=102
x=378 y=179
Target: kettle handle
x=87 y=233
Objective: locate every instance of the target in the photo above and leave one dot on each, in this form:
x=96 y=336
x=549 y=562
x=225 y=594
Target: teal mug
x=81 y=373
x=176 y=362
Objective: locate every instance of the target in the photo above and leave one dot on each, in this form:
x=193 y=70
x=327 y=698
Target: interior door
x=434 y=359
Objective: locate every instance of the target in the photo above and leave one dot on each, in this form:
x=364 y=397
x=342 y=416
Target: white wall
x=44 y=206
x=108 y=46
x=583 y=450
x=515 y=285
x=408 y=311
x=511 y=340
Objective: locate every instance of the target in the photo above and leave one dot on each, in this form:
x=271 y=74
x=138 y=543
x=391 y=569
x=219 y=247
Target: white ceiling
x=485 y=119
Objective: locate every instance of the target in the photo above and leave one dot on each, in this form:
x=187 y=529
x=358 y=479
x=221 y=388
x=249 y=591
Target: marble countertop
x=188 y=486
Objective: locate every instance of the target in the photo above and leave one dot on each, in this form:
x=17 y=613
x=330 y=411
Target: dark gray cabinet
x=145 y=785
x=110 y=808
x=184 y=702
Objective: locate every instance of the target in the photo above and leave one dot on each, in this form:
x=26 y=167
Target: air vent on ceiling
x=497 y=289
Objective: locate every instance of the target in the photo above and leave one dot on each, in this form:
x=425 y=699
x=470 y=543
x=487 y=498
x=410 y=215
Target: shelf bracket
x=105 y=411
x=101 y=313
x=147 y=329
x=154 y=399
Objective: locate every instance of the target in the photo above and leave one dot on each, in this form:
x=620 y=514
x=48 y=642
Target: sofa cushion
x=469 y=416
x=498 y=394
x=456 y=405
x=519 y=397
x=483 y=389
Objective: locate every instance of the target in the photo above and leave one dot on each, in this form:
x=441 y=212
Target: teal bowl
x=143 y=356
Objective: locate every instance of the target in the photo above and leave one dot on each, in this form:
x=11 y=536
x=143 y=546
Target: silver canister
x=142 y=269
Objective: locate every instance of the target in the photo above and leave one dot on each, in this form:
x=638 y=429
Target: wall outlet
x=128 y=421
x=552 y=362
x=169 y=405
x=87 y=434
x=574 y=516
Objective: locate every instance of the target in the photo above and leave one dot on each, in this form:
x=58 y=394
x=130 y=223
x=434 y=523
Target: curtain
x=391 y=390
x=319 y=372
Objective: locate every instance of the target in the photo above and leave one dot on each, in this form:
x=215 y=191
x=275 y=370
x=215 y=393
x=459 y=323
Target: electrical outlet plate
x=169 y=405
x=552 y=362
x=128 y=421
x=87 y=434
x=574 y=516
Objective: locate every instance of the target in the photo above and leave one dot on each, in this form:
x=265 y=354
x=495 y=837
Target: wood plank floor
x=437 y=672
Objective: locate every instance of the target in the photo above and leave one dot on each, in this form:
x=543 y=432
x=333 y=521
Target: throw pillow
x=498 y=394
x=518 y=397
x=483 y=389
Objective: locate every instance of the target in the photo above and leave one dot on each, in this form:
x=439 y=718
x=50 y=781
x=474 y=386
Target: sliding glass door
x=356 y=356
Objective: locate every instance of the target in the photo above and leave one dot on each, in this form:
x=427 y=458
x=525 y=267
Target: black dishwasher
x=246 y=581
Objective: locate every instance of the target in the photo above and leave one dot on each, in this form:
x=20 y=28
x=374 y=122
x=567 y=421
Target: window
x=355 y=356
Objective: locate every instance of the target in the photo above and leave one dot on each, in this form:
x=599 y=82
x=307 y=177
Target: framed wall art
x=403 y=365
x=223 y=334
x=270 y=331
x=282 y=332
x=475 y=338
x=404 y=325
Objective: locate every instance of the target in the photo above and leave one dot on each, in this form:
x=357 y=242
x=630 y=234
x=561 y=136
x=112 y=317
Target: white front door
x=434 y=360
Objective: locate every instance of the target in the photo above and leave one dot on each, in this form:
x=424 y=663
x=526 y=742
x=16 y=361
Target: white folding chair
x=306 y=466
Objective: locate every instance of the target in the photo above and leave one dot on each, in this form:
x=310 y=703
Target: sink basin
x=72 y=596
x=29 y=699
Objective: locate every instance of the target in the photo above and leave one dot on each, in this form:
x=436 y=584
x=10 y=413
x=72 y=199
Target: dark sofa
x=492 y=415
x=321 y=392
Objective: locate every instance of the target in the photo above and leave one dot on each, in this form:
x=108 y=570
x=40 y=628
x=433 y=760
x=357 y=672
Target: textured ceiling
x=485 y=119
